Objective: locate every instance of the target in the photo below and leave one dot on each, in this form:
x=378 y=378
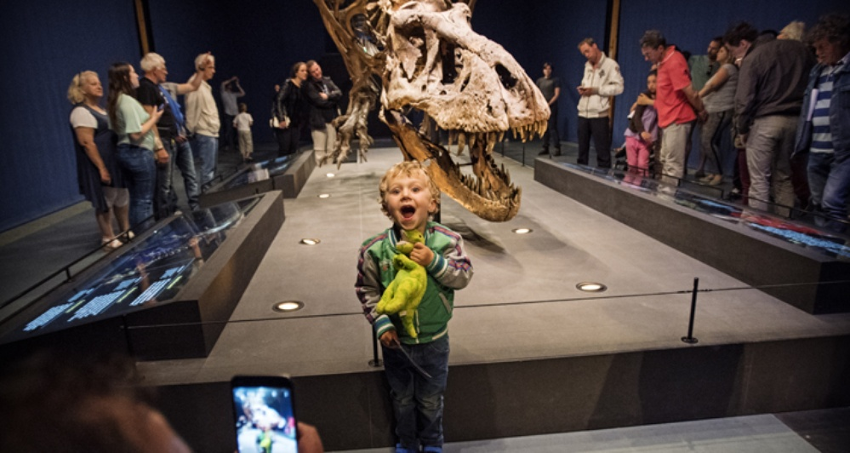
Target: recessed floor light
x=310 y=241
x=522 y=230
x=288 y=306
x=324 y=195
x=330 y=175
x=591 y=287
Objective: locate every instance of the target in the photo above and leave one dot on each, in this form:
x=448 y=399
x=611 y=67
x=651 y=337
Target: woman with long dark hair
x=290 y=110
x=137 y=139
x=98 y=174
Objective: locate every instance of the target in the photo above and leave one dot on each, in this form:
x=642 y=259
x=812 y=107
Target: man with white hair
x=202 y=120
x=154 y=93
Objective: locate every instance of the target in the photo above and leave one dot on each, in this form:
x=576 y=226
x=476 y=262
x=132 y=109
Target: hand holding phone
x=264 y=414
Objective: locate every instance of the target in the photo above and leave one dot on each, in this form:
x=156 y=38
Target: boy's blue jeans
x=417 y=400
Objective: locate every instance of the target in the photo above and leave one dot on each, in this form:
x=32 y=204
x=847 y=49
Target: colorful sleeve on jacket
x=368 y=286
x=450 y=266
x=613 y=84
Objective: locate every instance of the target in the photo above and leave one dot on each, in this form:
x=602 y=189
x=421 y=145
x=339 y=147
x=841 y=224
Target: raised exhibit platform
x=163 y=295
x=805 y=267
x=530 y=353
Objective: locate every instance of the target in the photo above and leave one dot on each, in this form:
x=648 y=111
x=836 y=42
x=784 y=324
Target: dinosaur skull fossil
x=432 y=61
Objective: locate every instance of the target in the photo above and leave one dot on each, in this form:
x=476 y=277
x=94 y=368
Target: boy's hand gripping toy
x=404 y=294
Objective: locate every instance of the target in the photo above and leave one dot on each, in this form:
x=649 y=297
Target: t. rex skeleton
x=429 y=59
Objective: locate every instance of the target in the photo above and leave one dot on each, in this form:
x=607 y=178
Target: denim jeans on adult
x=163 y=202
x=207 y=148
x=185 y=161
x=711 y=137
x=139 y=170
x=829 y=181
x=417 y=400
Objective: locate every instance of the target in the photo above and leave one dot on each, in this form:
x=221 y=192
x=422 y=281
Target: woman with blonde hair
x=98 y=174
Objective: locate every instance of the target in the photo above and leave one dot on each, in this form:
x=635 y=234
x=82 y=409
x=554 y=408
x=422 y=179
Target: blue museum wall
x=548 y=32
x=45 y=43
x=256 y=40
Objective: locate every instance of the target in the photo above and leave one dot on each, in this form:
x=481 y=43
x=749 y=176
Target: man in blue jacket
x=824 y=129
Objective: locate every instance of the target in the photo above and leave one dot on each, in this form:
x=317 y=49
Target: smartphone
x=264 y=414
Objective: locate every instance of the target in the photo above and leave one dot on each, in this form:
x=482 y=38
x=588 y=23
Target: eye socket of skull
x=449 y=63
x=508 y=80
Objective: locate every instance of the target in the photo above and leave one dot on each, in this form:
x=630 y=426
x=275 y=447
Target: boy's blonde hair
x=408 y=168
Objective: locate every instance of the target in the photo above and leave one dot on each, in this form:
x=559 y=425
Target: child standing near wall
x=243 y=122
x=642 y=133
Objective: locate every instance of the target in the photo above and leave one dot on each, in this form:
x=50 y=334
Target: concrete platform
x=531 y=354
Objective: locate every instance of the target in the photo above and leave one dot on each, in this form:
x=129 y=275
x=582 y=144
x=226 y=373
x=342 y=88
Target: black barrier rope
x=501 y=304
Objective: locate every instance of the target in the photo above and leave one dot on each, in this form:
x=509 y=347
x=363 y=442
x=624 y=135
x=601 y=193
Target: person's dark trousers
x=229 y=132
x=552 y=132
x=185 y=161
x=163 y=200
x=600 y=131
x=800 y=180
x=287 y=140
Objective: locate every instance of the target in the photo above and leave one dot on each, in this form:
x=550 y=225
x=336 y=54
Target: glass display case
x=287 y=174
x=796 y=233
x=152 y=270
x=259 y=171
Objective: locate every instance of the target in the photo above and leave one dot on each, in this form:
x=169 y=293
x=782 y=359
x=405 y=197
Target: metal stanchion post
x=690 y=338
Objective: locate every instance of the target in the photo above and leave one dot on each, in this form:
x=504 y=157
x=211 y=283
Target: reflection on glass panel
x=151 y=271
x=364 y=35
x=260 y=171
x=791 y=232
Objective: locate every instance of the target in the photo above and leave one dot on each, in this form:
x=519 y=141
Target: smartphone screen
x=264 y=414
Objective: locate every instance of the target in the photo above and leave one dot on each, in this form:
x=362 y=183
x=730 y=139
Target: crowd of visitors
x=775 y=97
x=127 y=150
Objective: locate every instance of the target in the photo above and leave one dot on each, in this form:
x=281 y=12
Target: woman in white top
x=98 y=174
x=138 y=140
x=718 y=95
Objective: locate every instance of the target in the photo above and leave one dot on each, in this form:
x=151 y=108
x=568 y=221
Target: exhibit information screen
x=152 y=270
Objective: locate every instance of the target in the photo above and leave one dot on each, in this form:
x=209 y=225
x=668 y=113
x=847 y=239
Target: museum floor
x=522 y=306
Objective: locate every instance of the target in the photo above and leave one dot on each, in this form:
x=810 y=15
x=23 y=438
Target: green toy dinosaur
x=404 y=294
